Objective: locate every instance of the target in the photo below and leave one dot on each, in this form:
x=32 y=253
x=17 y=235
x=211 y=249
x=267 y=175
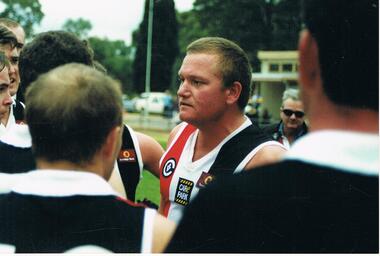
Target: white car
x=155 y=102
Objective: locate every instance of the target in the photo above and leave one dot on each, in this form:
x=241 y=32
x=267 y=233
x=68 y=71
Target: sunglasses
x=288 y=112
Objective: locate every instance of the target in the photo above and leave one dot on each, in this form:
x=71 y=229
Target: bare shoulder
x=163 y=230
x=173 y=133
x=146 y=141
x=266 y=155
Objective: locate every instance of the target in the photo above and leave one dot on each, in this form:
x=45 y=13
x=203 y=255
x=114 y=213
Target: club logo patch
x=169 y=167
x=204 y=180
x=127 y=155
x=183 y=192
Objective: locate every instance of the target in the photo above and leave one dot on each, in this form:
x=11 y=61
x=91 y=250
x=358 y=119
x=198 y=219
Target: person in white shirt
x=74 y=114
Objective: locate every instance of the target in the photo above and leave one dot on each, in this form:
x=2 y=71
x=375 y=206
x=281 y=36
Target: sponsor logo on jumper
x=127 y=155
x=183 y=192
x=169 y=167
x=204 y=179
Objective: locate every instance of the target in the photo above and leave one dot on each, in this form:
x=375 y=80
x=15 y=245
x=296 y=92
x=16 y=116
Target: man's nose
x=11 y=69
x=183 y=89
x=8 y=99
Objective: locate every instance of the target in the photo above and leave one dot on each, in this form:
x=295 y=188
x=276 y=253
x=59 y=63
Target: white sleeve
x=147 y=238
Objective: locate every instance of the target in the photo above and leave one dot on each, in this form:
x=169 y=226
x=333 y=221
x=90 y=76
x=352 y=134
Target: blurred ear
x=112 y=143
x=233 y=92
x=309 y=71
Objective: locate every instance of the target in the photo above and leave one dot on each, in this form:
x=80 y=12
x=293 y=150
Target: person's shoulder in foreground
x=324 y=197
x=306 y=203
x=74 y=114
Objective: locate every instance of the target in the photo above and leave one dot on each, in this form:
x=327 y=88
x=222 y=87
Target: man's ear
x=233 y=92
x=112 y=143
x=309 y=70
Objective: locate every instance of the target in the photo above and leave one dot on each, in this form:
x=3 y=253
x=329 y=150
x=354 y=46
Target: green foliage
x=26 y=12
x=190 y=29
x=79 y=27
x=253 y=24
x=164 y=47
x=148 y=187
x=116 y=57
x=287 y=20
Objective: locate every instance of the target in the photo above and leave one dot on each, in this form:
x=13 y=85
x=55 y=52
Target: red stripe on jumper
x=174 y=152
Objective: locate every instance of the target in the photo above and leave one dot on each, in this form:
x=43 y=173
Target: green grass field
x=149 y=186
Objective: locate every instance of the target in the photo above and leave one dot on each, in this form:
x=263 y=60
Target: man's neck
x=213 y=133
x=68 y=166
x=291 y=134
x=340 y=118
x=5 y=118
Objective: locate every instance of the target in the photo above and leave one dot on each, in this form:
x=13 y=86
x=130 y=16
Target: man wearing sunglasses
x=323 y=197
x=292 y=125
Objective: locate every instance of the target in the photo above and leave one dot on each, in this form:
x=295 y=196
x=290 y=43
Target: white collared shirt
x=345 y=150
x=11 y=122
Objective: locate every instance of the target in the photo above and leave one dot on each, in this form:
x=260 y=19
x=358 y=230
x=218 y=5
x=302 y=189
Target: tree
x=116 y=57
x=164 y=46
x=80 y=27
x=26 y=12
x=287 y=24
x=253 y=24
x=190 y=29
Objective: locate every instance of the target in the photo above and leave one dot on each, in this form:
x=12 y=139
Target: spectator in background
x=215 y=137
x=74 y=114
x=324 y=195
x=292 y=125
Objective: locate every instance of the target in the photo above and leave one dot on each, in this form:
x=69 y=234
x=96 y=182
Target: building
x=279 y=71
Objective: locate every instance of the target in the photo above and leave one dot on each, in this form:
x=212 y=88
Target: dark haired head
x=346 y=32
x=49 y=50
x=7 y=37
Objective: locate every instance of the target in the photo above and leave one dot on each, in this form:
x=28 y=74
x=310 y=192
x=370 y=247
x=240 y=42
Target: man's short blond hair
x=70 y=111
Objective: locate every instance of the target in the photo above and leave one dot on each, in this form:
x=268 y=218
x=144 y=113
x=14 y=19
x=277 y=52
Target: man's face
x=5 y=97
x=13 y=56
x=201 y=95
x=14 y=74
x=289 y=111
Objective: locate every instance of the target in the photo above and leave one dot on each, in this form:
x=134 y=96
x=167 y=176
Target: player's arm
x=266 y=155
x=163 y=230
x=151 y=152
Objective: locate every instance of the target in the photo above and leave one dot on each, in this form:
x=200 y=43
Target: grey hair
x=291 y=94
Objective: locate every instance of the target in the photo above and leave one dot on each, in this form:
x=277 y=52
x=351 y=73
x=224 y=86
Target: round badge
x=169 y=167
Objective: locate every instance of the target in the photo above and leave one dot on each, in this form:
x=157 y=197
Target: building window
x=274 y=67
x=287 y=67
